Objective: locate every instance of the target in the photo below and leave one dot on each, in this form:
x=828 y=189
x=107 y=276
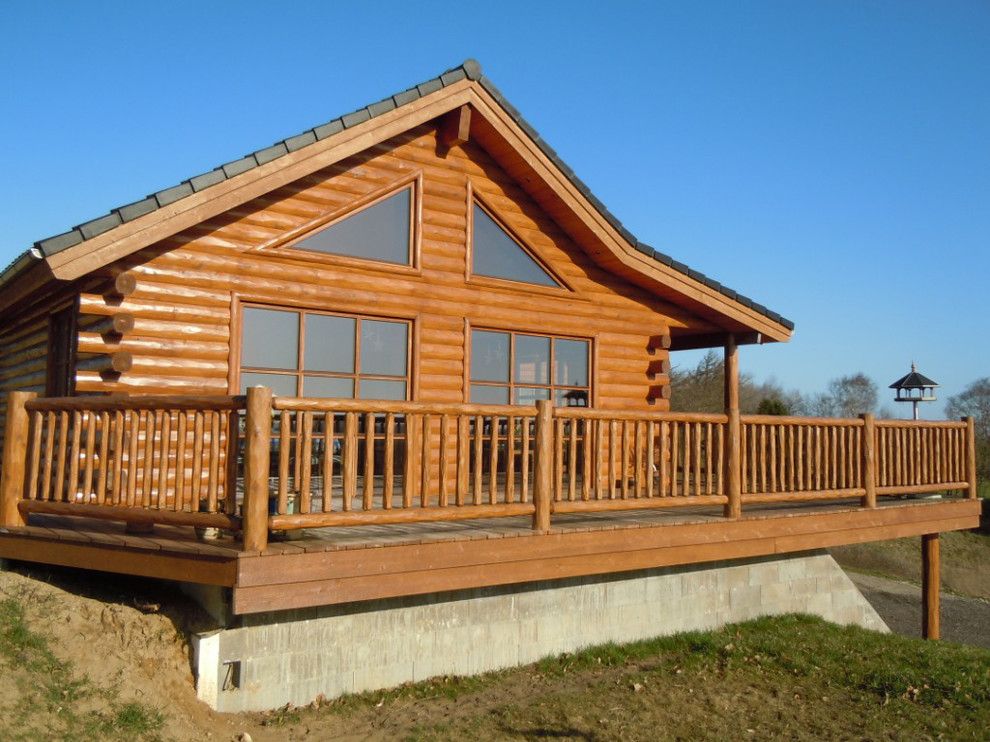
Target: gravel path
x=964 y=620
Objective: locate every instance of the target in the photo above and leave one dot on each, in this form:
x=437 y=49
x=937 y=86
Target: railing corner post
x=12 y=475
x=543 y=469
x=257 y=448
x=869 y=457
x=973 y=492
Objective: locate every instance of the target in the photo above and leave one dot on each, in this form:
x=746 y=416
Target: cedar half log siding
x=189 y=288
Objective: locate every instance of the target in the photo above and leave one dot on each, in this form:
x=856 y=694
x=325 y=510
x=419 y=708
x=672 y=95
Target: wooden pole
x=930 y=586
x=14 y=458
x=733 y=464
x=543 y=466
x=971 y=458
x=869 y=455
x=257 y=448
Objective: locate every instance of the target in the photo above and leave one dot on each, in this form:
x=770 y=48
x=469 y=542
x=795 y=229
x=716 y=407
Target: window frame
x=476 y=198
x=64 y=385
x=511 y=384
x=299 y=372
x=284 y=244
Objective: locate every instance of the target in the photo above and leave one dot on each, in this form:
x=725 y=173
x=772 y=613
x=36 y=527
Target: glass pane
x=328 y=386
x=481 y=394
x=379 y=232
x=571 y=398
x=489 y=356
x=494 y=253
x=378 y=389
x=532 y=360
x=282 y=385
x=383 y=347
x=270 y=339
x=528 y=395
x=329 y=344
x=570 y=362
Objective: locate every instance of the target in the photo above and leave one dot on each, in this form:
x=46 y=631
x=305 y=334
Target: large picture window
x=317 y=354
x=381 y=231
x=518 y=368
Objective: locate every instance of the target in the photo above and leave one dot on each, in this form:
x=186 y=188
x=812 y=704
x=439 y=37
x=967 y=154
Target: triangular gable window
x=497 y=255
x=381 y=231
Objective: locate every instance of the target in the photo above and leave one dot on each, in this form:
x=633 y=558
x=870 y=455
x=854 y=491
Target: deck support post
x=973 y=491
x=257 y=447
x=543 y=466
x=930 y=564
x=869 y=456
x=15 y=441
x=732 y=476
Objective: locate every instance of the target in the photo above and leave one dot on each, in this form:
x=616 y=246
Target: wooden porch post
x=930 y=586
x=543 y=465
x=733 y=473
x=973 y=491
x=14 y=458
x=869 y=455
x=257 y=449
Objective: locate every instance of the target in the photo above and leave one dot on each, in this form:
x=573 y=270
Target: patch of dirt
x=123 y=633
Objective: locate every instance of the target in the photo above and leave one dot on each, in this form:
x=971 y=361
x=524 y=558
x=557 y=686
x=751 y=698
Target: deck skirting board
x=293 y=581
x=293 y=656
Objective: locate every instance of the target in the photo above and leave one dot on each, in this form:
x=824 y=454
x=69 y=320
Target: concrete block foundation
x=293 y=656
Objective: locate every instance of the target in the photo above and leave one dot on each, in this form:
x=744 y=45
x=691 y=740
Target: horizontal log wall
x=184 y=341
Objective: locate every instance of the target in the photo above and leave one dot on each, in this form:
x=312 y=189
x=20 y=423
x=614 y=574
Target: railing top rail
x=850 y=422
x=951 y=424
x=585 y=413
x=401 y=408
x=116 y=404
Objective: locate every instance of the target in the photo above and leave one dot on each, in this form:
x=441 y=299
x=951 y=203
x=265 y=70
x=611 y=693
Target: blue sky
x=829 y=159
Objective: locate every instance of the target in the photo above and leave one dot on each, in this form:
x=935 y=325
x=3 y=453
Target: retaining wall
x=293 y=656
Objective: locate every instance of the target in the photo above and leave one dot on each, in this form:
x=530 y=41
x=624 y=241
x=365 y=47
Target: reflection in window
x=494 y=253
x=517 y=368
x=380 y=232
x=313 y=354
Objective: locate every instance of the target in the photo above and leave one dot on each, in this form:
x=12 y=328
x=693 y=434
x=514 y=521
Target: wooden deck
x=341 y=565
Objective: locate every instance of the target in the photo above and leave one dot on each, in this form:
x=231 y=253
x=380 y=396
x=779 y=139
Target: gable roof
x=167 y=200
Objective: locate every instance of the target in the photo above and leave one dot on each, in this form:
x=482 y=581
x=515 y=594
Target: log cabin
x=404 y=362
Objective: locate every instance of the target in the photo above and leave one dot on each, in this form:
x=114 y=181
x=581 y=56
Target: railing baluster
x=478 y=441
x=444 y=444
x=464 y=459
x=510 y=458
x=651 y=458
x=524 y=461
x=350 y=462
x=493 y=462
x=34 y=456
x=425 y=462
x=329 y=420
x=368 y=500
x=665 y=455
x=388 y=465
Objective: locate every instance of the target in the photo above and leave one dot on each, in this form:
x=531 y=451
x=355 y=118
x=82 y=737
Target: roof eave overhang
x=595 y=232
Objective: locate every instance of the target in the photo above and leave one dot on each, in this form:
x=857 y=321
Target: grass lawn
x=791 y=677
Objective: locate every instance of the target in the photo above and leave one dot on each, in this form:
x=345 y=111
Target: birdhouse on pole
x=914 y=388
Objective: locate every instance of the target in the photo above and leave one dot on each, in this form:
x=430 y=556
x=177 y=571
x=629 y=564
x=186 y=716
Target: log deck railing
x=307 y=463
